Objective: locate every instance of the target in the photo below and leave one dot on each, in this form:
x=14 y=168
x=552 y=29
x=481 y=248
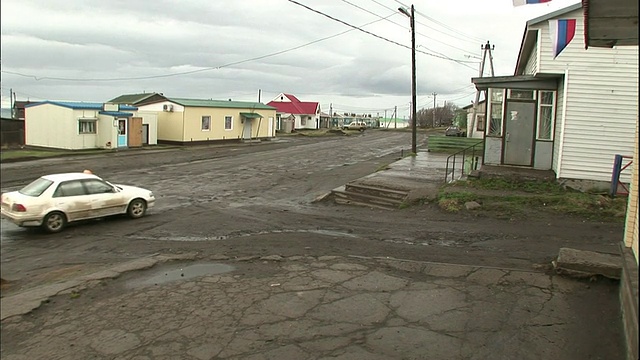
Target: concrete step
x=582 y=263
x=354 y=198
x=376 y=191
x=358 y=203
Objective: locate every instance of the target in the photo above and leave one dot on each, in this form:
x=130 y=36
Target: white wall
x=159 y=107
x=150 y=118
x=309 y=124
x=56 y=126
x=601 y=103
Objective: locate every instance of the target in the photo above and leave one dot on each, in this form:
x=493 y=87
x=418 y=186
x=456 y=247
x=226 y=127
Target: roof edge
x=553 y=14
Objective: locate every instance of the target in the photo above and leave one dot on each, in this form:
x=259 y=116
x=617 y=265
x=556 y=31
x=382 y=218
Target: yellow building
x=194 y=121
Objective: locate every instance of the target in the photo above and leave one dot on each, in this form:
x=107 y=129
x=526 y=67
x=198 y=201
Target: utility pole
x=330 y=116
x=259 y=94
x=486 y=49
x=13 y=115
x=433 y=122
x=414 y=122
x=395 y=117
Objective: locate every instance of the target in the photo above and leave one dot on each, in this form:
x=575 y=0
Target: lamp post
x=414 y=119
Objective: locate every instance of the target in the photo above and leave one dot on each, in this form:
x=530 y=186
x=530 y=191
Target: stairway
x=364 y=195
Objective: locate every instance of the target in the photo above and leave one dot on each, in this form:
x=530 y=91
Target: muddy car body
x=53 y=201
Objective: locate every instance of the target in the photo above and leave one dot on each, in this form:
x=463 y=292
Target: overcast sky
x=95 y=50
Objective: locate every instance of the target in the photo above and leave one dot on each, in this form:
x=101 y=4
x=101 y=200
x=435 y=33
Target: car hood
x=132 y=189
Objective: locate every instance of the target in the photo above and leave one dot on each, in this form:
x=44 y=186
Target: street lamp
x=413 y=77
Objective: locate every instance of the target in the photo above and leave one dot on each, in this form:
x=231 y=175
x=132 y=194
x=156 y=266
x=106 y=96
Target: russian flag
x=562 y=32
x=527 y=2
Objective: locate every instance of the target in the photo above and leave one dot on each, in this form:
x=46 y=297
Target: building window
x=86 y=126
x=228 y=122
x=522 y=94
x=206 y=123
x=545 y=115
x=495 y=126
x=303 y=120
x=480 y=123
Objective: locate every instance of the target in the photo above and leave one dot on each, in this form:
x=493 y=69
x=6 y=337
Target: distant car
x=454 y=131
x=53 y=201
x=356 y=125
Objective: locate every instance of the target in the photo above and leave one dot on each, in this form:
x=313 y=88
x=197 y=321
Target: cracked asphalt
x=327 y=307
x=308 y=280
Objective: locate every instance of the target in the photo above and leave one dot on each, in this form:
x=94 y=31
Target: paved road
x=247 y=205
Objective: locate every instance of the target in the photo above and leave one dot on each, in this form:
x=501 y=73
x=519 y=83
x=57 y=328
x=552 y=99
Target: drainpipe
x=565 y=92
x=258 y=130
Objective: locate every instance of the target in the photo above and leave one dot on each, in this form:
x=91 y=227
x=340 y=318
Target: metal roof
x=540 y=81
x=251 y=115
x=78 y=105
x=116 y=113
x=220 y=104
x=132 y=98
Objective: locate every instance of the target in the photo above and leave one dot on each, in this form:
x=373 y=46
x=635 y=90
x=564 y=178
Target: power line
x=191 y=71
x=445 y=26
x=376 y=35
x=462 y=97
x=404 y=27
x=430 y=38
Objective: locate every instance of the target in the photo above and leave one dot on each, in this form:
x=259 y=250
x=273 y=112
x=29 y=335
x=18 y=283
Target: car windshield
x=36 y=188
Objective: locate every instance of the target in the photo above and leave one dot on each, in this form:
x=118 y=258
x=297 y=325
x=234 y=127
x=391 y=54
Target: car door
x=71 y=197
x=105 y=199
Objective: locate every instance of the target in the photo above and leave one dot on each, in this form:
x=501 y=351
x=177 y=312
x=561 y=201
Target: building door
x=246 y=129
x=519 y=133
x=135 y=132
x=145 y=134
x=122 y=132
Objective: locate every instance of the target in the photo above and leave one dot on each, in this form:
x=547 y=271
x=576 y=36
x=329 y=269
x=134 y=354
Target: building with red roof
x=303 y=114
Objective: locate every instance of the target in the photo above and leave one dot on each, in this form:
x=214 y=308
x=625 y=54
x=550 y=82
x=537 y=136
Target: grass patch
x=507 y=198
x=37 y=153
x=528 y=186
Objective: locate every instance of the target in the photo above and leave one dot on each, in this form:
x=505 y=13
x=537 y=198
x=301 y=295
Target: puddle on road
x=226 y=237
x=180 y=272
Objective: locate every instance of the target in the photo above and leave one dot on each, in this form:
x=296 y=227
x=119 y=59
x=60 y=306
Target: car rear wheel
x=137 y=208
x=54 y=222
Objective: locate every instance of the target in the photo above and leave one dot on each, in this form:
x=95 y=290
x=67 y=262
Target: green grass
x=33 y=153
x=510 y=198
x=528 y=186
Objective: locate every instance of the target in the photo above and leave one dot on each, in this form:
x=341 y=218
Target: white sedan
x=52 y=201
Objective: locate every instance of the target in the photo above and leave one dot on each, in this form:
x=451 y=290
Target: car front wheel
x=137 y=208
x=54 y=222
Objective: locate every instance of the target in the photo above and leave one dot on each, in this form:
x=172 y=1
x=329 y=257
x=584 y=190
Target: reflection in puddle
x=181 y=272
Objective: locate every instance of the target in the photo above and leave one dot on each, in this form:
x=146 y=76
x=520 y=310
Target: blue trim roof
x=79 y=105
x=116 y=113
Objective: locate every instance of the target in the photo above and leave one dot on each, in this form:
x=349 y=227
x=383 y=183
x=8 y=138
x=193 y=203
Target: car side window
x=70 y=188
x=97 y=187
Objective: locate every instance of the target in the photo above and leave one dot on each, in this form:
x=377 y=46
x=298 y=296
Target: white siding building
x=85 y=125
x=576 y=111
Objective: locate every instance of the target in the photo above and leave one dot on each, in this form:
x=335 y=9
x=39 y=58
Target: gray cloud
x=84 y=39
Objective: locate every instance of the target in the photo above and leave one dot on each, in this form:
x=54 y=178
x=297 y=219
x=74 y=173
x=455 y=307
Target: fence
x=620 y=164
x=11 y=138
